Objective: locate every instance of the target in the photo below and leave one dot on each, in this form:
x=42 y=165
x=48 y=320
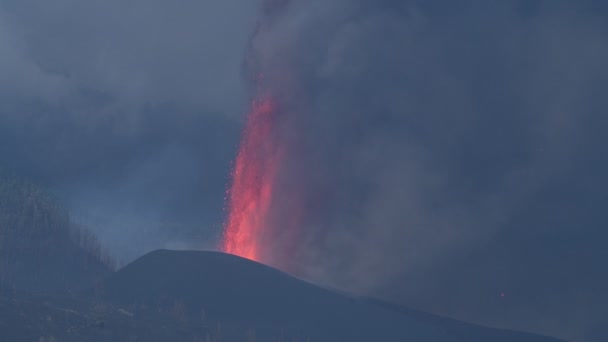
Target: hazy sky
x=445 y=152
x=130 y=111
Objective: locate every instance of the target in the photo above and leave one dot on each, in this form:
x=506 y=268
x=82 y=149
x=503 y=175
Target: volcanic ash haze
x=325 y=179
x=434 y=152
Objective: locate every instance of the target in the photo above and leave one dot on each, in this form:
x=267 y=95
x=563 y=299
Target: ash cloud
x=128 y=111
x=443 y=154
x=440 y=152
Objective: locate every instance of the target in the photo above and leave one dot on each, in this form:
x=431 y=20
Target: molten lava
x=250 y=230
x=251 y=193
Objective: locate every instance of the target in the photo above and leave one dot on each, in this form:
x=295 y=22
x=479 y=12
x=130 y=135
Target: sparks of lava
x=251 y=192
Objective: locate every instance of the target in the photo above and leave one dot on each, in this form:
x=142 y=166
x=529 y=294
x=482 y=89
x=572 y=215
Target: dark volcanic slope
x=237 y=291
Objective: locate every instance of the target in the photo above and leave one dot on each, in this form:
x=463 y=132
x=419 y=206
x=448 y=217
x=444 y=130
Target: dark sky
x=129 y=110
x=445 y=152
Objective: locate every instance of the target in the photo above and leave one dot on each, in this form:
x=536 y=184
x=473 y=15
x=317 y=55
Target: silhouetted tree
x=38 y=239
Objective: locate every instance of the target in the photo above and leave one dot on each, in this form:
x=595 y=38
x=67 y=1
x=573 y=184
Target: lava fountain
x=248 y=230
x=253 y=178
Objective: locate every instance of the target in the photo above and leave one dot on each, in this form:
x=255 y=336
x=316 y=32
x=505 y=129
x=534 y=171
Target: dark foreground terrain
x=208 y=296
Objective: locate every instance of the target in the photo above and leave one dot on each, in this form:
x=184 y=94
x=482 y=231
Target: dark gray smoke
x=447 y=155
x=129 y=111
x=440 y=152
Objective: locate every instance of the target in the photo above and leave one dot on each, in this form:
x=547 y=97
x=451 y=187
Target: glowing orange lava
x=251 y=193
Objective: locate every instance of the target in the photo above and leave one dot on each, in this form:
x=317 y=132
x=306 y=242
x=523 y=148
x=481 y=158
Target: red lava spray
x=253 y=178
x=248 y=230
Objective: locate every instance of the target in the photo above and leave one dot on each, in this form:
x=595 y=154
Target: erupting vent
x=251 y=228
x=251 y=193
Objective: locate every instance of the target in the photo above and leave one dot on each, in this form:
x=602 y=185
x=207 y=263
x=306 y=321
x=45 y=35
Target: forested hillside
x=41 y=249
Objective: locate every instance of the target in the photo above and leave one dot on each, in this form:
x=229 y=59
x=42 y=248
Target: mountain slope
x=239 y=292
x=41 y=249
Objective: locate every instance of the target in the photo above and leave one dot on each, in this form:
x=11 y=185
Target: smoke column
x=393 y=148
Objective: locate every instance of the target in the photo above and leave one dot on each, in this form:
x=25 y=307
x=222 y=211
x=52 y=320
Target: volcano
x=211 y=296
x=241 y=293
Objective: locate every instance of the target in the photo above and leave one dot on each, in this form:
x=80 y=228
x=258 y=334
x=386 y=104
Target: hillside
x=41 y=249
x=57 y=284
x=248 y=296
